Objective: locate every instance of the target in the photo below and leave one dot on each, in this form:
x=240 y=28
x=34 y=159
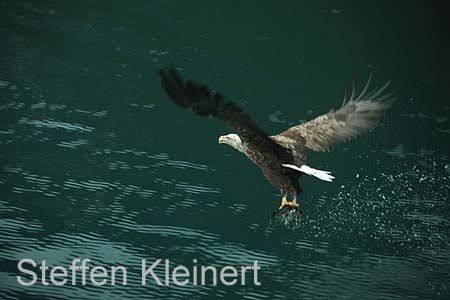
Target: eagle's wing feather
x=200 y=100
x=358 y=114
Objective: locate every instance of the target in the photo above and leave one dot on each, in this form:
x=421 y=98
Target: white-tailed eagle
x=282 y=157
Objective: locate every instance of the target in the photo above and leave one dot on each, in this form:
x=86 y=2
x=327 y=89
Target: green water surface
x=96 y=163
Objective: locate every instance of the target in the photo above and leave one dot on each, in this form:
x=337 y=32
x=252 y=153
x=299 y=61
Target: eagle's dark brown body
x=285 y=179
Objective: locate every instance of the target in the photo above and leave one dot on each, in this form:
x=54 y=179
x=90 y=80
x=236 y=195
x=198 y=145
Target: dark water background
x=96 y=163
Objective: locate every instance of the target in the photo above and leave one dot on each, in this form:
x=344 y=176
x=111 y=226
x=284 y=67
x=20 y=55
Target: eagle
x=282 y=157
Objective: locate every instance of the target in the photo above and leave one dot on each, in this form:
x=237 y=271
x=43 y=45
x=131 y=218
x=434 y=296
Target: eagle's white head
x=233 y=140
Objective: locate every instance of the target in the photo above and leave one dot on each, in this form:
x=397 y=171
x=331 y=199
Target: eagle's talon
x=292 y=204
x=290 y=210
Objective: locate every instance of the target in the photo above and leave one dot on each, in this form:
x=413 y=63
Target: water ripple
x=56 y=125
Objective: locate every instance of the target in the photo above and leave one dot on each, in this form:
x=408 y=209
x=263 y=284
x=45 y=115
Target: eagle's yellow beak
x=222 y=139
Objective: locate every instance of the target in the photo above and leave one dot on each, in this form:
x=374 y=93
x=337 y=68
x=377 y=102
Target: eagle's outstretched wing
x=358 y=114
x=200 y=100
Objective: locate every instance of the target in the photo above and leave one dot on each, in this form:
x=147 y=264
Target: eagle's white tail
x=323 y=175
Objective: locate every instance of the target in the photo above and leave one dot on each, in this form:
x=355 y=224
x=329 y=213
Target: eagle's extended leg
x=294 y=202
x=283 y=201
